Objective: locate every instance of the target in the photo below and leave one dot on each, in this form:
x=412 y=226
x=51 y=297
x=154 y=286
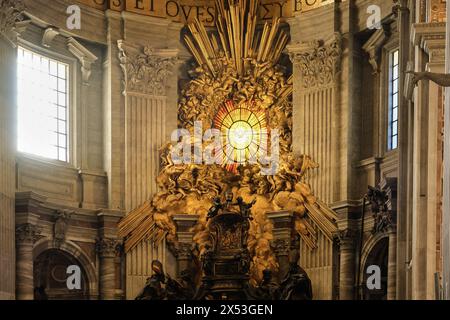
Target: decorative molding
x=146 y=70
x=108 y=247
x=345 y=237
x=383 y=200
x=85 y=57
x=374 y=45
x=183 y=251
x=318 y=61
x=61 y=225
x=48 y=37
x=28 y=233
x=430 y=37
x=281 y=247
x=11 y=12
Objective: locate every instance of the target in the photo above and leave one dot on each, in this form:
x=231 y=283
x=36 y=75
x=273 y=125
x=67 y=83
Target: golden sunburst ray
x=236 y=28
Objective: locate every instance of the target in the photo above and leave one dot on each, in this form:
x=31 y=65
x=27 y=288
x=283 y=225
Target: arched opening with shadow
x=378 y=256
x=50 y=277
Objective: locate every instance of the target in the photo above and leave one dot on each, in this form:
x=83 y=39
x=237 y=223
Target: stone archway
x=69 y=252
x=376 y=252
x=50 y=275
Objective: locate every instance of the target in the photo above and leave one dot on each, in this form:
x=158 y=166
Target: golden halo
x=243 y=133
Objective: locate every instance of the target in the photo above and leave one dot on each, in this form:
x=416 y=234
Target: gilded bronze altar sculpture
x=225 y=266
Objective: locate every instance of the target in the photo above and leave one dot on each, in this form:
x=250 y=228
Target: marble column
x=283 y=226
x=10 y=13
x=26 y=236
x=392 y=264
x=346 y=241
x=107 y=250
x=184 y=223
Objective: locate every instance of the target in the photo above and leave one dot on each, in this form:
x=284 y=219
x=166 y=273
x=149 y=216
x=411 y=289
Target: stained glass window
x=243 y=132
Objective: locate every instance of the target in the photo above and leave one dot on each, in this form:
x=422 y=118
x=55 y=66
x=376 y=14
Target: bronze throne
x=226 y=261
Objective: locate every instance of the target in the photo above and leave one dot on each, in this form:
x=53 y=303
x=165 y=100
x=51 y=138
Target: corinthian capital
x=27 y=233
x=107 y=247
x=11 y=12
x=146 y=69
x=346 y=237
x=317 y=61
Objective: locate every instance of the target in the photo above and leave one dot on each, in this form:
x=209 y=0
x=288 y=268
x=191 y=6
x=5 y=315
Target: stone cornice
x=108 y=247
x=146 y=69
x=318 y=61
x=85 y=57
x=428 y=35
x=49 y=35
x=374 y=44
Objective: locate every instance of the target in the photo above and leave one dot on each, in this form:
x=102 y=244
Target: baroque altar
x=224 y=267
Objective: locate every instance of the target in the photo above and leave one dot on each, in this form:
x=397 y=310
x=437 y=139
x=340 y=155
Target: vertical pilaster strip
x=113 y=114
x=346 y=241
x=392 y=264
x=146 y=72
x=316 y=66
x=404 y=149
x=10 y=13
x=107 y=249
x=446 y=194
x=26 y=236
x=283 y=223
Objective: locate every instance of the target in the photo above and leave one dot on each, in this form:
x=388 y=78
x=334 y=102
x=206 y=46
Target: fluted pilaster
x=10 y=14
x=146 y=73
x=316 y=66
x=26 y=237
